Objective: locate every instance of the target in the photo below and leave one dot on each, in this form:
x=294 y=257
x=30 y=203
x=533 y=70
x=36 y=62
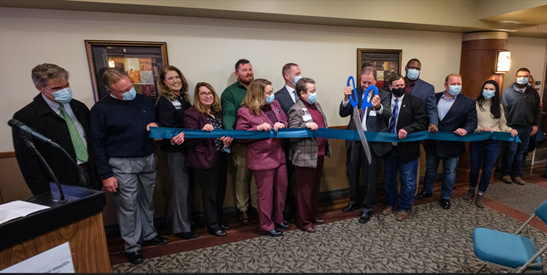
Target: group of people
x=112 y=148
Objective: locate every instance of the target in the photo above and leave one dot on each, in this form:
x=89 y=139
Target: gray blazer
x=303 y=151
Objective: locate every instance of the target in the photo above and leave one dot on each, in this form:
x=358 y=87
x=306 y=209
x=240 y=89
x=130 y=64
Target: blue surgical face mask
x=522 y=80
x=454 y=90
x=63 y=95
x=488 y=94
x=130 y=95
x=296 y=78
x=312 y=98
x=412 y=74
x=270 y=99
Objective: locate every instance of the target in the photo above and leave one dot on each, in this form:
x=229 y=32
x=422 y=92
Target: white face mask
x=412 y=74
x=63 y=95
x=296 y=78
x=522 y=80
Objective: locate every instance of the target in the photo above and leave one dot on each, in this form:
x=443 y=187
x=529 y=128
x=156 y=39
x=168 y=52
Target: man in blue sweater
x=125 y=159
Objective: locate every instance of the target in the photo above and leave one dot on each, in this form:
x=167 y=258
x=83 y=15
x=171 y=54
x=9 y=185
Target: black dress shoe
x=224 y=226
x=187 y=235
x=218 y=233
x=423 y=195
x=157 y=241
x=135 y=257
x=445 y=204
x=282 y=226
x=365 y=216
x=273 y=233
x=350 y=207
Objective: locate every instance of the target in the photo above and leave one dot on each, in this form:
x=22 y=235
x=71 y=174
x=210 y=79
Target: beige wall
x=529 y=53
x=205 y=50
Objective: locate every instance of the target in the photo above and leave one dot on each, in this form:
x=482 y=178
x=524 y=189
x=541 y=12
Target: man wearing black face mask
x=407 y=116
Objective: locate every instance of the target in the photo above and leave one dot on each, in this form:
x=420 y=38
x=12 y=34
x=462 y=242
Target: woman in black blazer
x=170 y=108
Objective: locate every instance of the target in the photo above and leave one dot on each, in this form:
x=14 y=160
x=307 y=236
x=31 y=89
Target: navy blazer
x=411 y=118
x=426 y=92
x=284 y=99
x=374 y=123
x=462 y=114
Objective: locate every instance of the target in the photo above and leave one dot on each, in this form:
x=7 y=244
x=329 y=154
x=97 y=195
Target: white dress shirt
x=376 y=112
x=399 y=104
x=292 y=92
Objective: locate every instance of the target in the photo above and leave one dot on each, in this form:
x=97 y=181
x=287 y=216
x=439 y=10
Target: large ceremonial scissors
x=357 y=118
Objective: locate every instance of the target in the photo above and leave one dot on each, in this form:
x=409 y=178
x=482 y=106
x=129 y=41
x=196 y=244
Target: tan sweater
x=485 y=119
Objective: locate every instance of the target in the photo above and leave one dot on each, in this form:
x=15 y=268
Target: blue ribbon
x=167 y=133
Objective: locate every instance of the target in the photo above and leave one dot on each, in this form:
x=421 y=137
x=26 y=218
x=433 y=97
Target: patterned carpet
x=431 y=240
x=525 y=198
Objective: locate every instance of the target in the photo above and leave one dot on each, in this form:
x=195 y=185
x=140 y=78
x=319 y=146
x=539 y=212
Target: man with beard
x=231 y=100
x=521 y=104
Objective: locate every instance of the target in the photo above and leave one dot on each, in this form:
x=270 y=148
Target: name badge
x=306 y=117
x=177 y=104
x=372 y=113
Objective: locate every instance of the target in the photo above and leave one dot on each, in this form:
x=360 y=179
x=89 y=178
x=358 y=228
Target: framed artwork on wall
x=386 y=62
x=141 y=60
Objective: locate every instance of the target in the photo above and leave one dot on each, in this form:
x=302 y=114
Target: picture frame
x=385 y=61
x=142 y=61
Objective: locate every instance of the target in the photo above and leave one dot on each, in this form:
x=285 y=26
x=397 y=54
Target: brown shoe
x=387 y=211
x=506 y=179
x=244 y=217
x=402 y=215
x=519 y=181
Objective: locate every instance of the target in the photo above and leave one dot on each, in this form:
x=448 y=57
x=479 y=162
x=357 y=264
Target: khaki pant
x=244 y=181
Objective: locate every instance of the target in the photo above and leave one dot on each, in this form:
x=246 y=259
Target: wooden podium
x=77 y=221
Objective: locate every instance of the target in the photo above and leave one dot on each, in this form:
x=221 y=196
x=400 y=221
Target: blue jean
x=408 y=172
x=512 y=161
x=449 y=173
x=483 y=155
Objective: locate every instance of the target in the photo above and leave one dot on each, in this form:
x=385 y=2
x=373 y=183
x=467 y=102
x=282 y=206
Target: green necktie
x=79 y=146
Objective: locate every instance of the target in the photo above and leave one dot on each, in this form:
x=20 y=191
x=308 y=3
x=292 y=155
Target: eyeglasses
x=205 y=94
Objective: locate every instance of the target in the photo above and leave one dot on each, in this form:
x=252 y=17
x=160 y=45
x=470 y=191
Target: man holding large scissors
x=373 y=119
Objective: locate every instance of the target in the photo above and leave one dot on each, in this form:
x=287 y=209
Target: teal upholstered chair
x=511 y=251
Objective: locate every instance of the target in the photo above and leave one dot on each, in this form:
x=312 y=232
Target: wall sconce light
x=111 y=63
x=504 y=62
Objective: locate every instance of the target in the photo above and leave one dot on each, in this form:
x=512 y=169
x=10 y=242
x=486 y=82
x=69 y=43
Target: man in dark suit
x=373 y=119
x=457 y=114
x=422 y=90
x=407 y=116
x=287 y=97
x=54 y=114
